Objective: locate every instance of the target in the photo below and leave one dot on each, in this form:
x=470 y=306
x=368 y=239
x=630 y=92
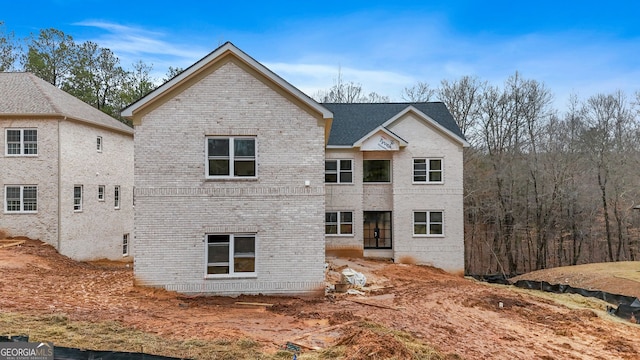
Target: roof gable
x=353 y=123
x=24 y=94
x=213 y=59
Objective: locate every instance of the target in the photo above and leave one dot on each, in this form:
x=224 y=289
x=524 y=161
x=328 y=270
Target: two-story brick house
x=393 y=182
x=66 y=171
x=242 y=182
x=229 y=181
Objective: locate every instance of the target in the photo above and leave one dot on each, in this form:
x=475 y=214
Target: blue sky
x=583 y=47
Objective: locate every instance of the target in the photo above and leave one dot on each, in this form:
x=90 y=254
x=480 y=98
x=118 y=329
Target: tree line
x=85 y=70
x=542 y=188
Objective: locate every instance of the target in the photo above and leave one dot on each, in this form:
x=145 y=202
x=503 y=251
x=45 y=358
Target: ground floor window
x=125 y=244
x=77 y=198
x=338 y=223
x=428 y=223
x=21 y=198
x=231 y=254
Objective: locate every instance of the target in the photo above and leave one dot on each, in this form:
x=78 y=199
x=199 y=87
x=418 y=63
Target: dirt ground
x=460 y=317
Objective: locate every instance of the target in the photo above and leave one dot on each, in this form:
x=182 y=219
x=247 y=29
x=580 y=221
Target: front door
x=377 y=229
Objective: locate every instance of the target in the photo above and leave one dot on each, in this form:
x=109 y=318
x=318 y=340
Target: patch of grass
x=114 y=336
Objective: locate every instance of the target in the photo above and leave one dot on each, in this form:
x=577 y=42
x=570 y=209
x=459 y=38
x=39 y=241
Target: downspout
x=59 y=187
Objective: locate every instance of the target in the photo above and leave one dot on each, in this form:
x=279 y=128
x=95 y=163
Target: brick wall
x=176 y=206
x=96 y=232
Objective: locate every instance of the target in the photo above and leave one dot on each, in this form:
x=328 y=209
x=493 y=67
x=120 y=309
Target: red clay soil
x=459 y=317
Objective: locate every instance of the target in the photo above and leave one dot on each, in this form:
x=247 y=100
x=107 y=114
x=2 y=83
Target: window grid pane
x=235 y=157
x=229 y=254
x=13 y=198
x=331 y=223
x=331 y=171
x=427 y=170
x=116 y=196
x=30 y=198
x=428 y=223
x=339 y=223
x=77 y=198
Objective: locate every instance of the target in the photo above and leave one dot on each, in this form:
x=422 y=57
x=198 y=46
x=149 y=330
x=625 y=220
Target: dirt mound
x=622 y=278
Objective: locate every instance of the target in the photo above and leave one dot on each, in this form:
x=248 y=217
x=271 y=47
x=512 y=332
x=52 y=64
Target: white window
x=427 y=171
x=21 y=142
x=101 y=192
x=21 y=199
x=116 y=197
x=338 y=171
x=99 y=143
x=231 y=157
x=377 y=171
x=338 y=223
x=77 y=198
x=231 y=254
x=125 y=244
x=428 y=223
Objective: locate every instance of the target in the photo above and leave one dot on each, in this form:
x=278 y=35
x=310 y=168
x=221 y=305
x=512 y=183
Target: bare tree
x=463 y=98
x=347 y=92
x=420 y=92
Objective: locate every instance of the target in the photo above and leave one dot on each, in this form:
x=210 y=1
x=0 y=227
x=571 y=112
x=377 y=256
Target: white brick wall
x=97 y=231
x=176 y=205
x=402 y=197
x=41 y=170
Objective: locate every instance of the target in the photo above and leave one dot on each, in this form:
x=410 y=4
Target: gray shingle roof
x=26 y=94
x=353 y=121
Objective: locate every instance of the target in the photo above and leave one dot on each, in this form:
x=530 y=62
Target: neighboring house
x=66 y=171
x=229 y=181
x=393 y=182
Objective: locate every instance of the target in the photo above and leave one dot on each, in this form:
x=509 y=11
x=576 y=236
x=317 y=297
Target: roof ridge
x=37 y=82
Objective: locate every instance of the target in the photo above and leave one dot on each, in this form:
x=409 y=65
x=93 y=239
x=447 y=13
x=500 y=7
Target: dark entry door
x=377 y=229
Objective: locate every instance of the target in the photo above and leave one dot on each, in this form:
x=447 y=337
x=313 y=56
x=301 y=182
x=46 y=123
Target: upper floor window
x=231 y=157
x=99 y=143
x=376 y=171
x=338 y=223
x=428 y=223
x=100 y=192
x=21 y=142
x=338 y=171
x=231 y=254
x=77 y=198
x=427 y=170
x=21 y=198
x=116 y=197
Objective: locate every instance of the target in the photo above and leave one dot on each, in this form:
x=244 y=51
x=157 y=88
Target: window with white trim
x=21 y=198
x=338 y=171
x=125 y=244
x=77 y=198
x=230 y=254
x=21 y=142
x=116 y=197
x=427 y=171
x=99 y=143
x=101 y=192
x=428 y=223
x=338 y=223
x=231 y=157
